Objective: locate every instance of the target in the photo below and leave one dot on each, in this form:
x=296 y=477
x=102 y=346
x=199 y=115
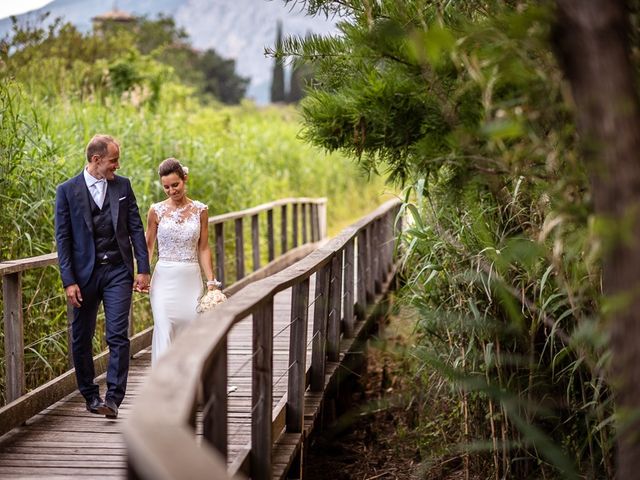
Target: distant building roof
x=114 y=15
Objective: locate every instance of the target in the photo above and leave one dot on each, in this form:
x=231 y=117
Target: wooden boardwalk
x=261 y=384
x=66 y=441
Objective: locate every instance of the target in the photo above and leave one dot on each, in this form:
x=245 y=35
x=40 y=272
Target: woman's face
x=173 y=186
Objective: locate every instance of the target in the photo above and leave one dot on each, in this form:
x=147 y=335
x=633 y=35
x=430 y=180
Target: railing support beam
x=214 y=387
x=297 y=356
x=13 y=335
x=262 y=392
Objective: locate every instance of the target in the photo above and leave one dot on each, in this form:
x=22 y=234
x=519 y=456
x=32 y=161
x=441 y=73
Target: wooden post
x=375 y=268
x=270 y=235
x=322 y=220
x=320 y=314
x=70 y=336
x=349 y=288
x=304 y=223
x=262 y=392
x=335 y=310
x=283 y=229
x=314 y=223
x=362 y=275
x=239 y=249
x=369 y=263
x=219 y=227
x=294 y=240
x=255 y=241
x=297 y=356
x=13 y=335
x=132 y=327
x=214 y=385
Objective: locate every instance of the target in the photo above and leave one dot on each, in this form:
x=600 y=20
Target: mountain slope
x=238 y=29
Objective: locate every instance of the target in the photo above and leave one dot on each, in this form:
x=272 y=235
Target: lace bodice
x=178 y=231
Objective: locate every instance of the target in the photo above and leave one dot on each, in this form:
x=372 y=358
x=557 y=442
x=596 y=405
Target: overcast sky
x=16 y=7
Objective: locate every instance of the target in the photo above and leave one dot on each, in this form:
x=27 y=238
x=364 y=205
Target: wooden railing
x=308 y=221
x=160 y=433
x=311 y=224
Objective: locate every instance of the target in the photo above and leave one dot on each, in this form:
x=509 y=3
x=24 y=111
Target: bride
x=180 y=226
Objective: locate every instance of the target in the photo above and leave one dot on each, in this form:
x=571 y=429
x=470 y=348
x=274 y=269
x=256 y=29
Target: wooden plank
x=214 y=385
x=376 y=263
x=335 y=310
x=131 y=331
x=20 y=265
x=219 y=229
x=239 y=249
x=370 y=290
x=18 y=411
x=277 y=265
x=283 y=228
x=255 y=242
x=349 y=277
x=13 y=335
x=361 y=307
x=294 y=220
x=322 y=220
x=70 y=336
x=226 y=217
x=320 y=314
x=297 y=356
x=270 y=235
x=314 y=223
x=304 y=222
x=262 y=392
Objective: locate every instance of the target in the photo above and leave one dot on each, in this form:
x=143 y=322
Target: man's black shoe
x=109 y=409
x=95 y=405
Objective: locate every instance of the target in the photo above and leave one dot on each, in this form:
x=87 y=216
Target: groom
x=97 y=223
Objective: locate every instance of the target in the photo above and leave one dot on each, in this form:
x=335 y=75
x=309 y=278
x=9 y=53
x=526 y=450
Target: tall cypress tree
x=296 y=89
x=277 y=84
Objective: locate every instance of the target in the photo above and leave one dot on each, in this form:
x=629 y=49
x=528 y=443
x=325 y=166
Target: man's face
x=105 y=167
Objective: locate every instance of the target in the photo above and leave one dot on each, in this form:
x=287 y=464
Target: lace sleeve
x=200 y=207
x=159 y=209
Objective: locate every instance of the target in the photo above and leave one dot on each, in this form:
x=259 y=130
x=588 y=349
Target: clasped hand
x=142 y=283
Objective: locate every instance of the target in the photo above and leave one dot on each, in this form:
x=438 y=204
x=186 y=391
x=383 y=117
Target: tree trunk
x=592 y=42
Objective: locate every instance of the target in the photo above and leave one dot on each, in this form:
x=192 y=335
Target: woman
x=180 y=225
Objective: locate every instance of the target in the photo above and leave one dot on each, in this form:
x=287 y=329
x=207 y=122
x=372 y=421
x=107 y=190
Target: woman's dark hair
x=169 y=166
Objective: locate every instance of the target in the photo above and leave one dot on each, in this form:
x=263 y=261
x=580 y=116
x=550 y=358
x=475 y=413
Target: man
x=97 y=223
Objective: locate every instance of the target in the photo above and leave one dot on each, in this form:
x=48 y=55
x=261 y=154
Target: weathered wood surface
x=166 y=417
x=172 y=392
x=65 y=440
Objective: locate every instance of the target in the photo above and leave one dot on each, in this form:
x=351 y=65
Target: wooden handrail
x=225 y=217
x=20 y=407
x=197 y=360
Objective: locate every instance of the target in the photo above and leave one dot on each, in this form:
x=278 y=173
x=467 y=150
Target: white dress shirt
x=97 y=188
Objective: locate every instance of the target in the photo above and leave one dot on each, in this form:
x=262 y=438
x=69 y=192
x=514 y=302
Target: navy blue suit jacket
x=74 y=229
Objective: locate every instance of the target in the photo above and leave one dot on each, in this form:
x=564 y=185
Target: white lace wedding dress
x=176 y=284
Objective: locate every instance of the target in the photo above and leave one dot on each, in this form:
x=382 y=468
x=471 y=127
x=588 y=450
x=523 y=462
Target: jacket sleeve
x=64 y=239
x=136 y=233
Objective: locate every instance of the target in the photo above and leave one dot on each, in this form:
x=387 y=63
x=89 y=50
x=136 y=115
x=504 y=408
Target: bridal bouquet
x=210 y=300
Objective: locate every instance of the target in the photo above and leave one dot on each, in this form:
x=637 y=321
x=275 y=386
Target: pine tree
x=277 y=85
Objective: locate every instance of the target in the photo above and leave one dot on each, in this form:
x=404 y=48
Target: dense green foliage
x=462 y=103
x=60 y=89
x=132 y=59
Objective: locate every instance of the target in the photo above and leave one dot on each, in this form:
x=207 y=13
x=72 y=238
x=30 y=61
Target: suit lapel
x=112 y=191
x=82 y=198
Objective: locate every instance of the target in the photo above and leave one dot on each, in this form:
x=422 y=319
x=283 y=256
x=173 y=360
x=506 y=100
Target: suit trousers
x=111 y=285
